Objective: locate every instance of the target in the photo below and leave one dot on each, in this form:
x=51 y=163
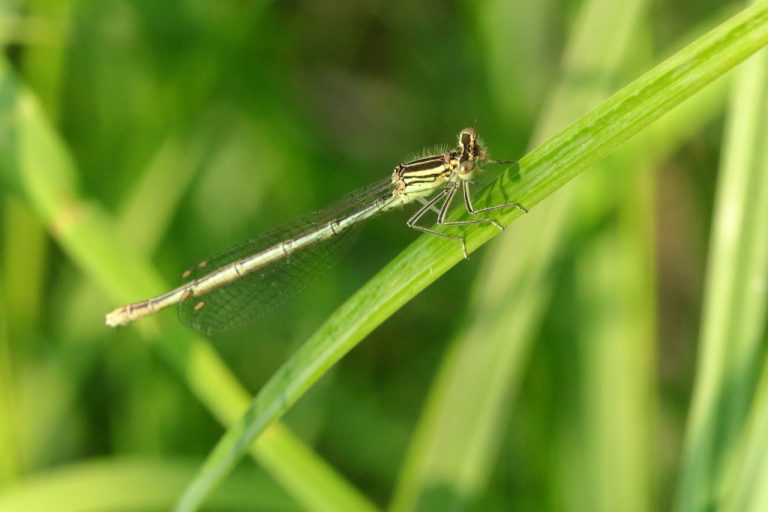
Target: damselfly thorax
x=421 y=177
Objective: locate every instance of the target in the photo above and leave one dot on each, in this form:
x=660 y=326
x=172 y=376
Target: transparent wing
x=258 y=293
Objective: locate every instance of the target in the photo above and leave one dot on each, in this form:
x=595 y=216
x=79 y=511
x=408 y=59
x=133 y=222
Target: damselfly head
x=472 y=150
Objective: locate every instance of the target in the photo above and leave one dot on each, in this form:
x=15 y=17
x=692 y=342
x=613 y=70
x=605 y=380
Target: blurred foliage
x=196 y=124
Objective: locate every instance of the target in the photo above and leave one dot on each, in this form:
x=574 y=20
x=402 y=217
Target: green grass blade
x=134 y=484
x=26 y=259
x=9 y=457
x=749 y=468
x=733 y=319
x=613 y=431
x=543 y=171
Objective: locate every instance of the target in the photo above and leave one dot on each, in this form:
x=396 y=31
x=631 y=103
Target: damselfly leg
x=447 y=196
x=412 y=222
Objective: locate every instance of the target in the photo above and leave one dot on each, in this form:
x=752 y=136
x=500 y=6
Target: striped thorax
x=421 y=177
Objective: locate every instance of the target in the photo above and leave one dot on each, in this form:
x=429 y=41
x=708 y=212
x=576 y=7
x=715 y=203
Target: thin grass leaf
x=10 y=465
x=733 y=318
x=134 y=484
x=540 y=173
x=748 y=470
x=614 y=426
x=26 y=259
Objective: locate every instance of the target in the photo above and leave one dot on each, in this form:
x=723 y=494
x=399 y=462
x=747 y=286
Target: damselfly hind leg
x=447 y=196
x=412 y=222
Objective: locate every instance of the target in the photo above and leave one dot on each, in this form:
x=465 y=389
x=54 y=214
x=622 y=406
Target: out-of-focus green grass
x=165 y=131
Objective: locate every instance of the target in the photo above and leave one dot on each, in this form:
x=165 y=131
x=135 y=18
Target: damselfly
x=237 y=285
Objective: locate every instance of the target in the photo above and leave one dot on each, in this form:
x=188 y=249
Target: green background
x=568 y=350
